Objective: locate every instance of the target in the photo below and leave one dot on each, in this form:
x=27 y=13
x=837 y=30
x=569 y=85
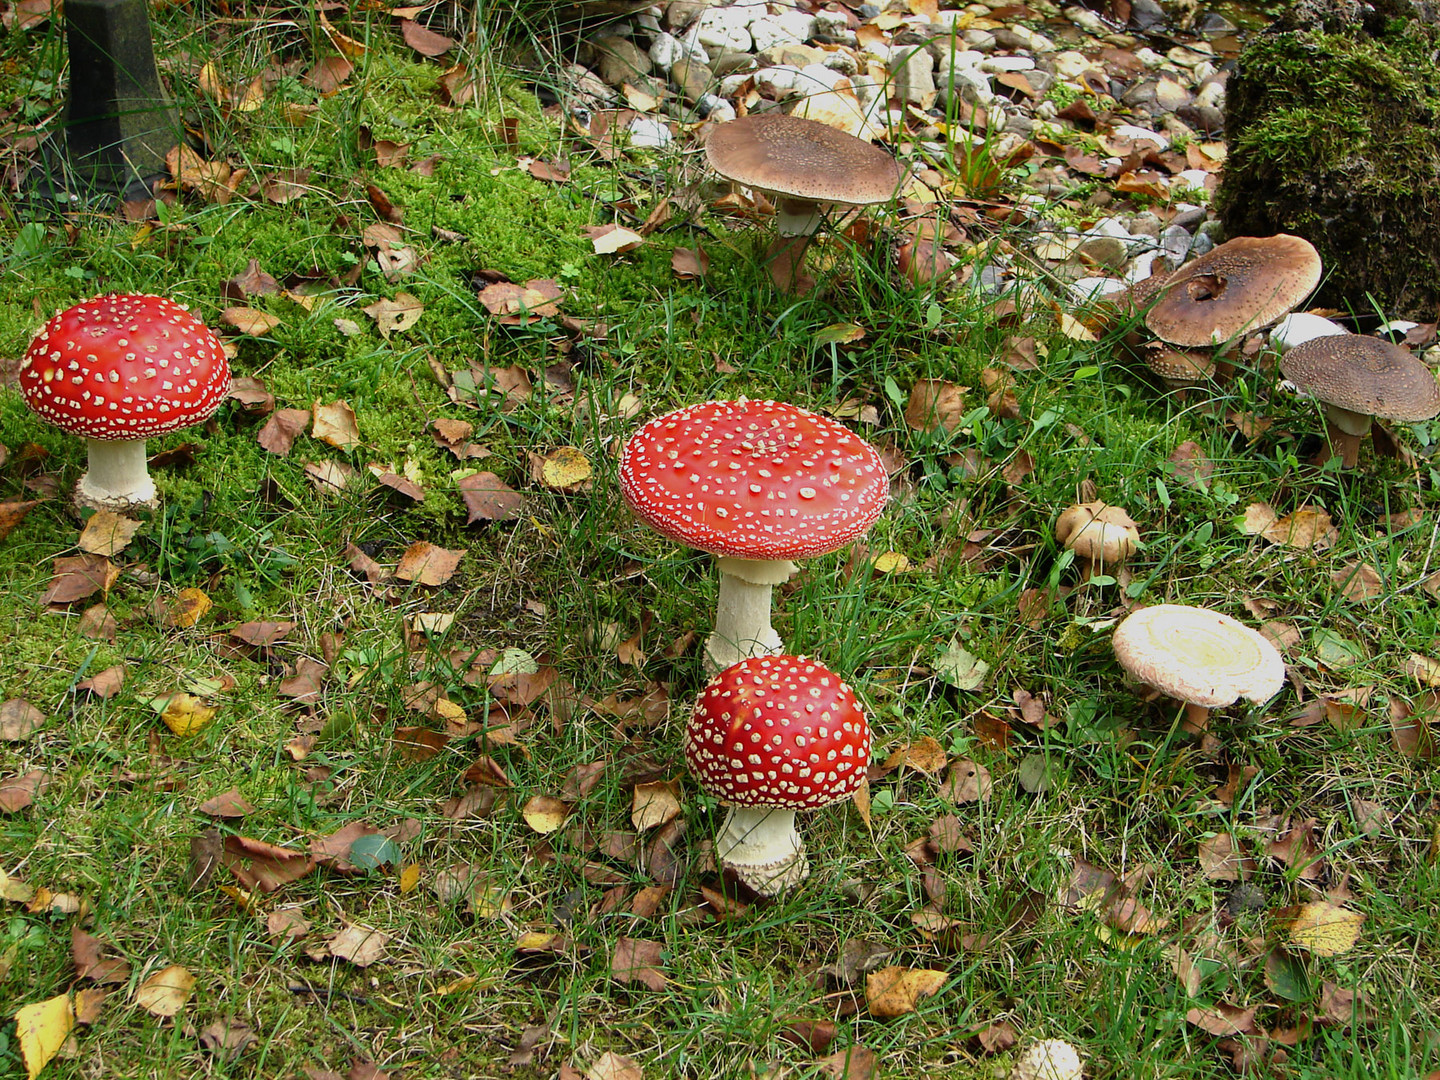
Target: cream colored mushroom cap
x=1098 y=531
x=1198 y=656
x=1049 y=1059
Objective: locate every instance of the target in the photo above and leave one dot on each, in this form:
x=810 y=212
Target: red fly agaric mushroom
x=1198 y=656
x=806 y=165
x=116 y=370
x=758 y=483
x=769 y=736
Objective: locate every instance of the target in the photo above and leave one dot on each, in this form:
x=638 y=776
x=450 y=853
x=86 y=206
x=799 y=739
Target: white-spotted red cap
x=124 y=367
x=753 y=479
x=778 y=731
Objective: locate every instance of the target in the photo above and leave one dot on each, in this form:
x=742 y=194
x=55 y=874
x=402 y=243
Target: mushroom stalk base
x=117 y=478
x=1343 y=431
x=797 y=217
x=742 y=618
x=760 y=846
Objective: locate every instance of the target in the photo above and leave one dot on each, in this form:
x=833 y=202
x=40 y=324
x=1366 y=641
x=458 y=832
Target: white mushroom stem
x=742 y=619
x=118 y=478
x=797 y=217
x=760 y=846
x=1343 y=431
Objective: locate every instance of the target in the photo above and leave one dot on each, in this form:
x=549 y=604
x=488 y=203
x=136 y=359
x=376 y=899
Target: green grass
x=576 y=573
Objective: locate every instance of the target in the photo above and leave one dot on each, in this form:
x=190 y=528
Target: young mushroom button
x=116 y=370
x=769 y=736
x=758 y=483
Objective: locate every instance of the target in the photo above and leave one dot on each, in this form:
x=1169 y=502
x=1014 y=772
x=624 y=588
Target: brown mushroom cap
x=1198 y=656
x=1179 y=365
x=1244 y=284
x=1364 y=375
x=803 y=159
x=1098 y=531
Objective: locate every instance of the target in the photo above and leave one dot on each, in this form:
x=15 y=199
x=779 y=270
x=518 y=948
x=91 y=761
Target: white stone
x=1188 y=179
x=724 y=29
x=1300 y=327
x=1211 y=95
x=878 y=52
x=787 y=28
x=1396 y=326
x=1071 y=64
x=1133 y=131
x=694 y=51
x=649 y=21
x=1111 y=227
x=914 y=72
x=1032 y=40
x=997 y=64
x=1189 y=56
x=777 y=82
x=815 y=78
x=646 y=131
x=714 y=107
x=731 y=85
x=1141 y=267
x=1204 y=71
x=1086 y=19
x=867 y=89
x=843 y=61
x=980 y=40
x=1149 y=57
x=1092 y=288
x=831 y=22
x=665 y=50
x=972 y=84
x=1046 y=110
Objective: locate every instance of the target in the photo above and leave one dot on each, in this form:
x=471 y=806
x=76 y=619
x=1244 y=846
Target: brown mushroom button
x=1244 y=284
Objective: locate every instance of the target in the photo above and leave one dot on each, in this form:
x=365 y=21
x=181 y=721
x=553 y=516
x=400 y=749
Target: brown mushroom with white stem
x=769 y=736
x=117 y=370
x=1101 y=535
x=1200 y=657
x=760 y=484
x=806 y=166
x=1357 y=379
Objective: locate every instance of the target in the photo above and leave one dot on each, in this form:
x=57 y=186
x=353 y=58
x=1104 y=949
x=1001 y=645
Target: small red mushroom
x=758 y=483
x=769 y=736
x=116 y=370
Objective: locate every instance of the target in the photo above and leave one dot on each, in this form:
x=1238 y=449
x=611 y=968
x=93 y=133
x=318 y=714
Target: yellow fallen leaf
x=891 y=562
x=1325 y=929
x=42 y=1029
x=185 y=714
x=107 y=533
x=190 y=607
x=166 y=992
x=545 y=814
x=565 y=468
x=409 y=879
x=895 y=991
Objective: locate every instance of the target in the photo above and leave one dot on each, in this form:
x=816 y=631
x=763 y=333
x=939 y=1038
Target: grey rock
x=733 y=63
x=693 y=79
x=1107 y=251
x=681 y=13
x=619 y=60
x=1175 y=241
x=1146 y=14
x=914 y=73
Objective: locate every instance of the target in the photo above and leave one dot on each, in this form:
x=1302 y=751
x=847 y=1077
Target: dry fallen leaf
x=183 y=713
x=42 y=1029
x=249 y=321
x=19 y=792
x=1306 y=529
x=1325 y=929
x=18 y=720
x=613 y=239
x=360 y=945
x=636 y=961
x=565 y=469
x=335 y=424
x=935 y=404
x=397 y=315
x=107 y=533
x=1358 y=582
x=12 y=513
x=166 y=992
x=544 y=813
x=895 y=991
x=613 y=1066
x=488 y=498
x=427 y=564
x=280 y=430
x=655 y=804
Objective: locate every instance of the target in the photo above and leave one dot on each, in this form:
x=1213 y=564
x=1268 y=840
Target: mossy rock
x=1334 y=128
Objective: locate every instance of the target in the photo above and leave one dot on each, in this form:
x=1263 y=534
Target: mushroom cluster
x=769 y=736
x=1101 y=535
x=117 y=370
x=806 y=166
x=758 y=483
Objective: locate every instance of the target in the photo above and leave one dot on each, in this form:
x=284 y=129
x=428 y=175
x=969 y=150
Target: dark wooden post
x=118 y=124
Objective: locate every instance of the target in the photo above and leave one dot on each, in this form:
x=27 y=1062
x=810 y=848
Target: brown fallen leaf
x=925 y=755
x=87 y=954
x=935 y=404
x=1223 y=1019
x=424 y=41
x=612 y=239
x=395 y=316
x=263 y=866
x=853 y=1063
x=1358 y=582
x=19 y=792
x=12 y=513
x=488 y=498
x=288 y=923
x=518 y=304
x=544 y=813
x=250 y=321
x=638 y=961
x=228 y=804
x=227 y=1038
x=1411 y=729
x=19 y=720
x=335 y=424
x=967 y=781
x=262 y=634
x=689 y=263
x=79 y=576
x=613 y=1066
x=279 y=432
x=895 y=991
x=1307 y=529
x=333 y=851
x=360 y=945
x=428 y=564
